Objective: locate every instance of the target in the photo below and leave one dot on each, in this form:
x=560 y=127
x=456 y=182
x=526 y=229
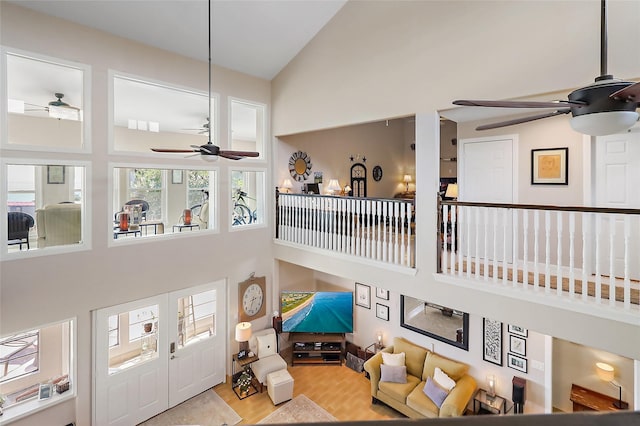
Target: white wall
x=46 y=289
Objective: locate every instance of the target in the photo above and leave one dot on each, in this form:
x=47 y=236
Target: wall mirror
x=438 y=322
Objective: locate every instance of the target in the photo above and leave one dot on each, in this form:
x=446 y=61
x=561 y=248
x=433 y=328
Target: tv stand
x=320 y=348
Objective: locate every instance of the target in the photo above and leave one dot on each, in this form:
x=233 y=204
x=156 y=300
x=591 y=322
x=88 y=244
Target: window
x=247 y=196
x=32 y=357
x=45 y=97
x=114 y=330
x=158 y=203
x=137 y=334
x=247 y=126
x=142 y=321
x=196 y=317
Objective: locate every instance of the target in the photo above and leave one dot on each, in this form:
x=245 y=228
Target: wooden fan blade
x=241 y=153
x=517 y=104
x=629 y=93
x=174 y=150
x=229 y=156
x=522 y=120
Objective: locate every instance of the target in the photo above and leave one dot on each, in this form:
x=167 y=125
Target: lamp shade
x=243 y=332
x=286 y=184
x=605 y=371
x=406 y=178
x=452 y=191
x=604 y=123
x=333 y=186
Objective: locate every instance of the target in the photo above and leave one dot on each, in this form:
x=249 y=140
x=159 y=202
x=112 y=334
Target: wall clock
x=377 y=173
x=300 y=166
x=251 y=299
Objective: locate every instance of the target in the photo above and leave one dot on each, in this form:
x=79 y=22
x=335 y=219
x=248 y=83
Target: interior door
x=486 y=175
x=617 y=164
x=130 y=365
x=197 y=344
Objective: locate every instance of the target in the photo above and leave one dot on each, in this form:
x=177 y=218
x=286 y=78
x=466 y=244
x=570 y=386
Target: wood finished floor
x=338 y=389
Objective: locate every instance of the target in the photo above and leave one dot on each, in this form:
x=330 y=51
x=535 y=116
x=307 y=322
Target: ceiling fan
x=209 y=151
x=604 y=107
x=202 y=129
x=58 y=109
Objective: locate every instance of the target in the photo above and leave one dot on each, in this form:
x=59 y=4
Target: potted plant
x=244 y=382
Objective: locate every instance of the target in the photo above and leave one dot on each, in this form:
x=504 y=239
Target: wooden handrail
x=543 y=207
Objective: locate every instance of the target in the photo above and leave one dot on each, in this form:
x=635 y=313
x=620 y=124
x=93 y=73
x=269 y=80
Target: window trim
x=265 y=127
x=259 y=205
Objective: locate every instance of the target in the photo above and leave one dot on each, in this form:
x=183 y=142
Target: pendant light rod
x=603 y=38
x=209 y=39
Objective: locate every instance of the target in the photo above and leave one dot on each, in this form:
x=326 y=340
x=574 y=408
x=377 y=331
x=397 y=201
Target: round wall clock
x=377 y=173
x=300 y=166
x=251 y=298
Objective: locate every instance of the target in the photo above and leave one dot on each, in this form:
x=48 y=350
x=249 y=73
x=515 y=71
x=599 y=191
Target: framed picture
x=381 y=293
x=514 y=329
x=492 y=341
x=382 y=312
x=55 y=174
x=45 y=391
x=550 y=166
x=517 y=345
x=517 y=363
x=363 y=295
x=176 y=176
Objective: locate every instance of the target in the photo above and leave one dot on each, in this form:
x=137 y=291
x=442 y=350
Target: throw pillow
x=435 y=392
x=266 y=346
x=441 y=378
x=393 y=373
x=393 y=359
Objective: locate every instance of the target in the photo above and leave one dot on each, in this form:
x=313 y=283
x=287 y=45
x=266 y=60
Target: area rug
x=299 y=410
x=206 y=409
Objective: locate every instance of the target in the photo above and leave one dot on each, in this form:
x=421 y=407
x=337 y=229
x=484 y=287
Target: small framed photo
x=550 y=166
x=517 y=363
x=55 y=174
x=381 y=293
x=45 y=391
x=363 y=295
x=514 y=329
x=518 y=345
x=382 y=312
x=492 y=341
x=176 y=176
x=242 y=354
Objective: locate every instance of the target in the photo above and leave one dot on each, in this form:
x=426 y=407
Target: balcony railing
x=592 y=254
x=376 y=229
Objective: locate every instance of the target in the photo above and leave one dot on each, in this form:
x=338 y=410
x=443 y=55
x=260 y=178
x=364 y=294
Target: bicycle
x=242 y=213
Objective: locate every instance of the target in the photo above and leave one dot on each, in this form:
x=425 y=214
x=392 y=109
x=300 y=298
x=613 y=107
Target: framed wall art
x=176 y=176
x=492 y=341
x=55 y=174
x=550 y=166
x=514 y=329
x=363 y=295
x=518 y=345
x=381 y=293
x=517 y=363
x=382 y=311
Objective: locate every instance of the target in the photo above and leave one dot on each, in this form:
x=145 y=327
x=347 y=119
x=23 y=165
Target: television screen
x=317 y=311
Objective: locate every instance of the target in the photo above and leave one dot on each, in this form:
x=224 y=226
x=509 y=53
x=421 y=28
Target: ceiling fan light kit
x=605 y=107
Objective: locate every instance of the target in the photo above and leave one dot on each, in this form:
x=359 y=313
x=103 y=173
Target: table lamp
x=243 y=334
x=491 y=386
x=286 y=186
x=607 y=373
x=407 y=179
x=333 y=186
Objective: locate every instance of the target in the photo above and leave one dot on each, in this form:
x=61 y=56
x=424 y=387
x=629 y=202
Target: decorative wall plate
x=300 y=166
x=377 y=173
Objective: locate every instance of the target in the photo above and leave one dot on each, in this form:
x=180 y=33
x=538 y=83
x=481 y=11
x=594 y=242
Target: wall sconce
x=243 y=334
x=286 y=185
x=333 y=186
x=452 y=191
x=607 y=373
x=491 y=386
x=379 y=339
x=407 y=179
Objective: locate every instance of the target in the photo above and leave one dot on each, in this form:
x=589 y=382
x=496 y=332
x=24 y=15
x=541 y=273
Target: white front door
x=197 y=344
x=617 y=176
x=486 y=175
x=130 y=365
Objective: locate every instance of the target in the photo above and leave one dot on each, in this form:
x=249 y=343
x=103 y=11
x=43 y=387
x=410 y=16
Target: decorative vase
x=124 y=221
x=186 y=216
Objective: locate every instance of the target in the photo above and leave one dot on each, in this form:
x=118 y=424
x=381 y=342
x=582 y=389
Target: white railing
x=588 y=253
x=376 y=229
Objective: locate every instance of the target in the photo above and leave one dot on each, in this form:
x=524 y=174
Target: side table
x=488 y=405
x=244 y=364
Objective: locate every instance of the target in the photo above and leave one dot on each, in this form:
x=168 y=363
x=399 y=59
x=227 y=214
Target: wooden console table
x=587 y=400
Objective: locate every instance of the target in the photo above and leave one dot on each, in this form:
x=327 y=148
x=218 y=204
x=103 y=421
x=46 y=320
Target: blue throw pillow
x=435 y=392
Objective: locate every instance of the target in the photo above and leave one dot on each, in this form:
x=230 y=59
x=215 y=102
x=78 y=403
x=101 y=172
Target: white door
x=197 y=344
x=130 y=365
x=617 y=176
x=486 y=175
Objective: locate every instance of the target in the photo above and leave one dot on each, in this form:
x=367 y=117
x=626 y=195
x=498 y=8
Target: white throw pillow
x=266 y=346
x=393 y=359
x=443 y=380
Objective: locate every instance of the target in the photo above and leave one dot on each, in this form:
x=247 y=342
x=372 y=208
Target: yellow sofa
x=409 y=398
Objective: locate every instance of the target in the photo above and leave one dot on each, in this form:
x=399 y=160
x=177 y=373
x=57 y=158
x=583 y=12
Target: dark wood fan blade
x=174 y=150
x=229 y=156
x=517 y=104
x=630 y=93
x=241 y=153
x=522 y=120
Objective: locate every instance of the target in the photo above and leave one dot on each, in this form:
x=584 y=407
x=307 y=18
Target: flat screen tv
x=316 y=311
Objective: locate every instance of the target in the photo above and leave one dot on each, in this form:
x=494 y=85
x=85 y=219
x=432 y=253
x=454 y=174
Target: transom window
x=247 y=126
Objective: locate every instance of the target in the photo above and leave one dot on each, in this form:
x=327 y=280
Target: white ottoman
x=280 y=386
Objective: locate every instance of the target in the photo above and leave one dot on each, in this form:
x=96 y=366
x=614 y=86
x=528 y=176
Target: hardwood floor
x=339 y=390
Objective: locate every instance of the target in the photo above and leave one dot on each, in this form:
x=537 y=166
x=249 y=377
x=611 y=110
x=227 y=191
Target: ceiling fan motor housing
x=597 y=98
